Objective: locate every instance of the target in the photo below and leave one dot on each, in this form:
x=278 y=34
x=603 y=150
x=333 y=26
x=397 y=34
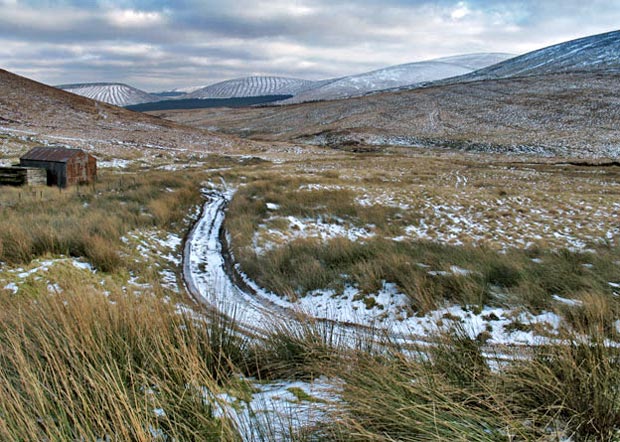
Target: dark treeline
x=195 y=103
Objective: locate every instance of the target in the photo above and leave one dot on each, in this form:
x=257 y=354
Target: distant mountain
x=595 y=53
x=254 y=87
x=558 y=101
x=167 y=95
x=397 y=76
x=188 y=89
x=566 y=115
x=179 y=92
x=117 y=94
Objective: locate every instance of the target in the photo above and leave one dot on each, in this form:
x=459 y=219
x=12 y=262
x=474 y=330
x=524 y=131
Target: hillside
x=397 y=76
x=52 y=115
x=564 y=114
x=594 y=53
x=117 y=94
x=253 y=87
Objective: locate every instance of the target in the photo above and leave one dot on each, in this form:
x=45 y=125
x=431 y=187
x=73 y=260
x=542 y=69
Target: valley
x=437 y=261
x=566 y=115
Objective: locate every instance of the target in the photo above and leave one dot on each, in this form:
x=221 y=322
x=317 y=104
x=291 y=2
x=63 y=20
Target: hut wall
x=12 y=176
x=79 y=169
x=56 y=172
x=92 y=168
x=20 y=176
x=36 y=176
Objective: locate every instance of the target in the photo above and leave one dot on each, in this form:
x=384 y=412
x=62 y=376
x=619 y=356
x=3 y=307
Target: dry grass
x=75 y=365
x=90 y=221
x=408 y=398
x=460 y=200
x=475 y=214
x=575 y=383
x=299 y=349
x=448 y=392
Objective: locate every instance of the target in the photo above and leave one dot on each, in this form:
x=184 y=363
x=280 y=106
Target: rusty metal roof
x=53 y=154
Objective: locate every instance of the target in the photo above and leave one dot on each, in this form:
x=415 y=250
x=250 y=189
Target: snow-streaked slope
x=254 y=87
x=478 y=60
x=117 y=94
x=400 y=75
x=596 y=52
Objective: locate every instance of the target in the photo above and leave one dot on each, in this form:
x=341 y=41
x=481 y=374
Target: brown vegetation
x=564 y=115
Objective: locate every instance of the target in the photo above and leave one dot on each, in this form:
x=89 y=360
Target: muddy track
x=213 y=279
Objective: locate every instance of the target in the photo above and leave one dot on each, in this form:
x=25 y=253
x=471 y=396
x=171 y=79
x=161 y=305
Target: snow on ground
x=468 y=216
x=514 y=222
x=457 y=219
x=567 y=301
x=204 y=266
x=387 y=309
x=277 y=410
x=266 y=238
x=12 y=287
x=114 y=164
x=455 y=209
x=161 y=250
x=12 y=278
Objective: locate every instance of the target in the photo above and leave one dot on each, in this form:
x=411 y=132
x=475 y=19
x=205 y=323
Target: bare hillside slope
x=30 y=107
x=572 y=114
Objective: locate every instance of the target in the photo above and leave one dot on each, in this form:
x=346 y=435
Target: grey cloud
x=157 y=44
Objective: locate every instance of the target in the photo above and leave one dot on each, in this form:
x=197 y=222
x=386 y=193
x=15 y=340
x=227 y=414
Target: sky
x=160 y=45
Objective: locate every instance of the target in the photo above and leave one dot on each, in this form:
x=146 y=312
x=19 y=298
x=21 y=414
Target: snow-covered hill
x=117 y=94
x=400 y=75
x=254 y=87
x=597 y=52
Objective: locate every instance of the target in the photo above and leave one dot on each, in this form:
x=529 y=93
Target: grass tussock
x=437 y=396
x=76 y=366
x=449 y=392
x=296 y=350
x=575 y=383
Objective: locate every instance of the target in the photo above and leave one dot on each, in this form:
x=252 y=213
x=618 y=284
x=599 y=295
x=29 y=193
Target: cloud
x=159 y=44
x=131 y=18
x=461 y=11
